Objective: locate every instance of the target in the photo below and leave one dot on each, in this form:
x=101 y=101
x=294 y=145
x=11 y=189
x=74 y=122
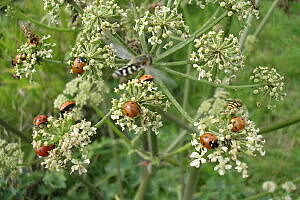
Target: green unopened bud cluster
x=11 y=156
x=217 y=57
x=272 y=84
x=147 y=96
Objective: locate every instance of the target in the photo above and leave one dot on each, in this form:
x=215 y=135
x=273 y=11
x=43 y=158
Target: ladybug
x=68 y=105
x=209 y=140
x=44 y=150
x=146 y=77
x=18 y=59
x=78 y=64
x=40 y=119
x=131 y=109
x=238 y=124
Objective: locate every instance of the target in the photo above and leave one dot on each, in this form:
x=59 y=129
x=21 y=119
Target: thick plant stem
x=265 y=19
x=280 y=125
x=61 y=62
x=99 y=124
x=192 y=182
x=210 y=83
x=174 y=63
x=145 y=179
x=174 y=101
x=189 y=40
x=18 y=133
x=91 y=188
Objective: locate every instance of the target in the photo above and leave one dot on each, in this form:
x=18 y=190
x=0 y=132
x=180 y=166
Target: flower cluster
x=145 y=96
x=235 y=136
x=28 y=56
x=163 y=24
x=285 y=193
x=216 y=55
x=84 y=91
x=69 y=140
x=272 y=87
x=100 y=17
x=11 y=156
x=241 y=8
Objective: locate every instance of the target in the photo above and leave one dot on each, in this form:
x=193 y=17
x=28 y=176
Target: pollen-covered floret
x=11 y=156
x=146 y=96
x=272 y=87
x=162 y=25
x=216 y=55
x=31 y=54
x=84 y=91
x=70 y=138
x=232 y=145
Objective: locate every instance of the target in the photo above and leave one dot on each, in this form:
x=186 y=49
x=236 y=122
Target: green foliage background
x=278 y=45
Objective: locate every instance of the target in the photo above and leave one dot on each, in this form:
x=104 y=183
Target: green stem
x=91 y=187
x=265 y=19
x=117 y=163
x=18 y=133
x=177 y=121
x=191 y=184
x=210 y=83
x=179 y=150
x=153 y=144
x=145 y=179
x=52 y=28
x=228 y=26
x=175 y=63
x=99 y=124
x=247 y=29
x=280 y=125
x=189 y=40
x=174 y=101
x=61 y=62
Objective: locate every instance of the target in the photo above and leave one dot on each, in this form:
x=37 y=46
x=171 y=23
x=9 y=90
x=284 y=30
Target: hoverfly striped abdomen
x=126 y=70
x=233 y=106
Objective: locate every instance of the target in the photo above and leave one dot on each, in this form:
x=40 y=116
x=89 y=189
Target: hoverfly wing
x=121 y=52
x=161 y=76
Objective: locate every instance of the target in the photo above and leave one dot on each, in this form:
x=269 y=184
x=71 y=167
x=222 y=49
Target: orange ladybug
x=238 y=124
x=40 y=119
x=68 y=105
x=131 y=109
x=146 y=77
x=209 y=140
x=78 y=64
x=44 y=150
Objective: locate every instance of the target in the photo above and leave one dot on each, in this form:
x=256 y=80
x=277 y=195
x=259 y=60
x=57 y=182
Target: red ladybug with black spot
x=131 y=109
x=78 y=64
x=43 y=151
x=209 y=141
x=238 y=124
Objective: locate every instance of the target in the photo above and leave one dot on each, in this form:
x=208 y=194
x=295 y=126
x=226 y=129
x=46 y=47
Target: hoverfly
x=32 y=38
x=233 y=106
x=137 y=63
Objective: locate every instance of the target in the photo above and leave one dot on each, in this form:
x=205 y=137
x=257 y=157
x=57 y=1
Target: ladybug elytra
x=44 y=150
x=78 y=64
x=238 y=124
x=40 y=119
x=209 y=140
x=68 y=105
x=146 y=77
x=131 y=109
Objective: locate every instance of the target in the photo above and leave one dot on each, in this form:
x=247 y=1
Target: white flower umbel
x=272 y=85
x=289 y=186
x=147 y=96
x=217 y=57
x=161 y=25
x=269 y=186
x=84 y=91
x=241 y=8
x=233 y=146
x=11 y=156
x=31 y=54
x=70 y=138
